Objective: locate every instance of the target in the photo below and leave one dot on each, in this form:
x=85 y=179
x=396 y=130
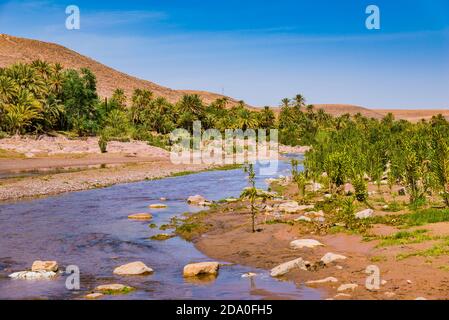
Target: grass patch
x=193 y=226
x=378 y=259
x=426 y=216
x=404 y=237
x=436 y=251
x=278 y=221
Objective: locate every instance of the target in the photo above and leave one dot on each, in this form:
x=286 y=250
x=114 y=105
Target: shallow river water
x=90 y=229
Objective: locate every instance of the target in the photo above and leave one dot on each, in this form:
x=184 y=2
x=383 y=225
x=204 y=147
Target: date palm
x=21 y=112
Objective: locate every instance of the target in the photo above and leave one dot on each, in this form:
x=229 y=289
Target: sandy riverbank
x=225 y=234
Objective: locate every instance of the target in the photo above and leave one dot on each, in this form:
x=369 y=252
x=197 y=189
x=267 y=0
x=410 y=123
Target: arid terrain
x=410 y=267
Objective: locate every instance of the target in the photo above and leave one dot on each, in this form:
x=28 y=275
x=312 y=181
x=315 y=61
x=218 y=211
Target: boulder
x=202 y=268
x=346 y=287
x=133 y=269
x=140 y=216
x=284 y=268
x=33 y=275
x=326 y=280
x=305 y=243
x=331 y=257
x=293 y=207
x=368 y=213
x=44 y=266
x=158 y=206
x=114 y=288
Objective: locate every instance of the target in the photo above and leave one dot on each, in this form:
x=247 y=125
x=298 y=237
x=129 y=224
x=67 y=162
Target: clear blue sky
x=261 y=51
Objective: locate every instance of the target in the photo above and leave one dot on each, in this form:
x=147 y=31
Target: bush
x=103 y=144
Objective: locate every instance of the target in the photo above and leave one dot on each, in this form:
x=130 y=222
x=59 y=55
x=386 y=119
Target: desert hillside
x=14 y=49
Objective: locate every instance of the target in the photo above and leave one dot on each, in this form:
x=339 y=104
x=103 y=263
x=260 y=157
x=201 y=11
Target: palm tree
x=191 y=103
x=21 y=112
x=8 y=89
x=246 y=120
x=300 y=101
x=285 y=103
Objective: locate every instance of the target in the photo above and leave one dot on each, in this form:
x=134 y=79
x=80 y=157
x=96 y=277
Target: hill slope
x=14 y=49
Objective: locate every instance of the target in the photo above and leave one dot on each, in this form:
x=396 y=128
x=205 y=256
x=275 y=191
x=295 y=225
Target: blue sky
x=261 y=51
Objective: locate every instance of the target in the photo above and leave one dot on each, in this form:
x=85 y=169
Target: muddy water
x=90 y=229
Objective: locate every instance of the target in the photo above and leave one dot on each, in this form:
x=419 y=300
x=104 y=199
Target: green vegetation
x=41 y=97
x=426 y=216
x=404 y=237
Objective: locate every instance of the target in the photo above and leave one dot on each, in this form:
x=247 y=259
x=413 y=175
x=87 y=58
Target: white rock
x=364 y=214
x=305 y=243
x=33 y=275
x=304 y=218
x=202 y=268
x=326 y=280
x=331 y=257
x=94 y=295
x=420 y=298
x=348 y=286
x=284 y=268
x=133 y=269
x=289 y=207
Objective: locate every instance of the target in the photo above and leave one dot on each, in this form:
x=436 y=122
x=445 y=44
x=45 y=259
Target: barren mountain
x=14 y=49
x=340 y=109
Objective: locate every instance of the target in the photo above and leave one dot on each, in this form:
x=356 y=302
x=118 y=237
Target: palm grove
x=44 y=98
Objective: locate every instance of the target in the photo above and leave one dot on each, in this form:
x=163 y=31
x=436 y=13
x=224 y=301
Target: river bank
x=412 y=261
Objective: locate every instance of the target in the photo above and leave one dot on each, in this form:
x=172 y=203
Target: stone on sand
x=347 y=286
x=305 y=243
x=321 y=281
x=331 y=257
x=285 y=267
x=368 y=213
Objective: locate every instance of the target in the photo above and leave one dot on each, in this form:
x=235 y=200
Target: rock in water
x=202 y=268
x=115 y=288
x=140 y=216
x=195 y=200
x=94 y=295
x=33 y=275
x=44 y=266
x=133 y=269
x=368 y=213
x=158 y=206
x=284 y=268
x=331 y=257
x=305 y=243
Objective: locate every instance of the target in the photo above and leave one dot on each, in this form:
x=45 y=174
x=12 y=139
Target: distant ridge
x=15 y=49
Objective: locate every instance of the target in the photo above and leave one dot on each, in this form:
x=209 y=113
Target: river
x=90 y=229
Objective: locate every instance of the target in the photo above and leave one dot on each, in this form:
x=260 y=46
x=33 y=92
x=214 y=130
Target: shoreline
x=224 y=233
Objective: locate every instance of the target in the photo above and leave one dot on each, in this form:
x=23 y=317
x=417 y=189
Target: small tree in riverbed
x=251 y=193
